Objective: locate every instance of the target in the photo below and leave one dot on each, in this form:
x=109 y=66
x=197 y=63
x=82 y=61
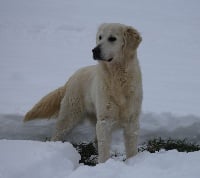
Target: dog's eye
x=100 y=37
x=112 y=39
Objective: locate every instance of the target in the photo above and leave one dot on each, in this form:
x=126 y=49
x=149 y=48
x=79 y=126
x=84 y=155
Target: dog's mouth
x=98 y=56
x=109 y=60
x=106 y=60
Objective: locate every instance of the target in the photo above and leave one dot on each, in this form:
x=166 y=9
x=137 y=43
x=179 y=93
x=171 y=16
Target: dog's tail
x=48 y=106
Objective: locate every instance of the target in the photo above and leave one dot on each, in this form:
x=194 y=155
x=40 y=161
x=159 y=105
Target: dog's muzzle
x=97 y=53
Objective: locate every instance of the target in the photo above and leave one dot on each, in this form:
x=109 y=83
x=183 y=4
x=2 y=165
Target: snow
x=152 y=125
x=162 y=164
x=46 y=159
x=37 y=159
x=43 y=42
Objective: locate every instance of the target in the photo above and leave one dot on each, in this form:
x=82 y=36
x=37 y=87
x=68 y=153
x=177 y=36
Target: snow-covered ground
x=33 y=159
x=42 y=42
x=29 y=159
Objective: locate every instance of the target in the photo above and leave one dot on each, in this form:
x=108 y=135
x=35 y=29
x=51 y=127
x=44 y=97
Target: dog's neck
x=119 y=67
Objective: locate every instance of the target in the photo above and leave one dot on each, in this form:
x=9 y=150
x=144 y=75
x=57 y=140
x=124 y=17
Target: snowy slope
x=151 y=125
x=42 y=42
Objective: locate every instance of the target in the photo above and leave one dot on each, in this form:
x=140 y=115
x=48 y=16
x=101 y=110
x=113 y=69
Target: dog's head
x=115 y=42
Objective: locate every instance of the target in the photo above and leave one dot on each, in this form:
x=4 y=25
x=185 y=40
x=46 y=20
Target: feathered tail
x=48 y=106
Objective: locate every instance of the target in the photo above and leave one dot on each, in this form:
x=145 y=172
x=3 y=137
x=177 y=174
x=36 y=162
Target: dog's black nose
x=97 y=52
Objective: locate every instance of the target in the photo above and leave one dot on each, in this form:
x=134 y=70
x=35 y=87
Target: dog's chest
x=120 y=95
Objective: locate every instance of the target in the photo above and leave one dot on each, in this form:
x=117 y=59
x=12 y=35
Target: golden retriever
x=110 y=93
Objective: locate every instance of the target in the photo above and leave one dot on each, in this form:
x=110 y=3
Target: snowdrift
x=28 y=159
x=32 y=159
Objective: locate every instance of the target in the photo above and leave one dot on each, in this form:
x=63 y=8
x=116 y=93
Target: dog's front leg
x=131 y=131
x=103 y=131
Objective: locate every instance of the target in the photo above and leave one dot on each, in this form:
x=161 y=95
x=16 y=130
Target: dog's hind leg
x=63 y=126
x=69 y=116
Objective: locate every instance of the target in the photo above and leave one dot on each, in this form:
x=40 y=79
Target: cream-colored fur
x=109 y=92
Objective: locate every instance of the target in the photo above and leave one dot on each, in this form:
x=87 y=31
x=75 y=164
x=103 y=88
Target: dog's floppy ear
x=132 y=38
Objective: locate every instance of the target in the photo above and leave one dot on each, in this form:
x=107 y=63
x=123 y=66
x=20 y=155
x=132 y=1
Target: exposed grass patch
x=89 y=154
x=158 y=143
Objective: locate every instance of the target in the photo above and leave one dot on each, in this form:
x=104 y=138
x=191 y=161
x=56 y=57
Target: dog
x=109 y=93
